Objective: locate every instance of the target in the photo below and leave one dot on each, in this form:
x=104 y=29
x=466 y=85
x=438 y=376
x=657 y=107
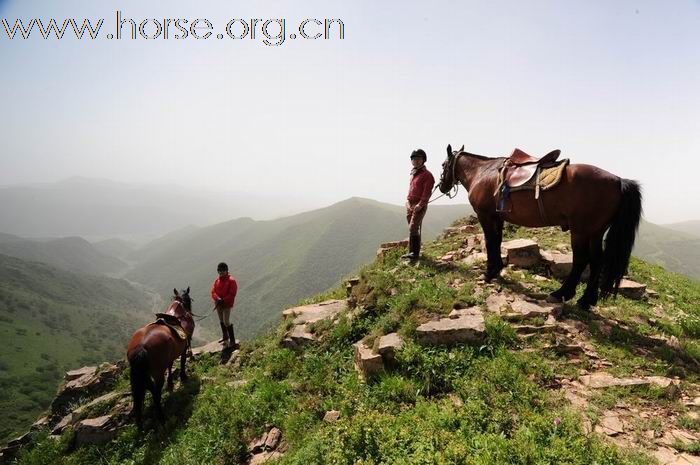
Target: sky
x=614 y=84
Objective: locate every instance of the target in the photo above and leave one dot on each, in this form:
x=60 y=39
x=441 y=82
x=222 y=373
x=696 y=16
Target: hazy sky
x=615 y=84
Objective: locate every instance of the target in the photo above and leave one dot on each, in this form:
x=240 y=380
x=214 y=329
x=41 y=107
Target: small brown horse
x=588 y=201
x=153 y=349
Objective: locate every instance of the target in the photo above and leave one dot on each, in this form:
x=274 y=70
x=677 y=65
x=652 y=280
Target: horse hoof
x=583 y=305
x=554 y=299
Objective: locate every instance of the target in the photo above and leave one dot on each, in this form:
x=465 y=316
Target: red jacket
x=225 y=288
x=421 y=187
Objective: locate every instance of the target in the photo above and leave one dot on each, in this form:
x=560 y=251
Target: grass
x=487 y=404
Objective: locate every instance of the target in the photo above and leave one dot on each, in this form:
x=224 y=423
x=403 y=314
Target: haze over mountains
x=101 y=209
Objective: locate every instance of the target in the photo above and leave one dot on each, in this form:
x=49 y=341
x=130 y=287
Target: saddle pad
x=175 y=329
x=550 y=177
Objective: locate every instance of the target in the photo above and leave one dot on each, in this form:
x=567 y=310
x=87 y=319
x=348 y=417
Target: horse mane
x=480 y=157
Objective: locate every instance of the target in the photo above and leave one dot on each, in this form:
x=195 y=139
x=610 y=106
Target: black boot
x=233 y=344
x=224 y=331
x=416 y=247
x=411 y=246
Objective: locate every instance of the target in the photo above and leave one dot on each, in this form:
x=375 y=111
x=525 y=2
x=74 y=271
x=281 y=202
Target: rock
x=560 y=264
x=89 y=384
x=448 y=331
x=497 y=303
x=63 y=424
x=394 y=244
x=522 y=252
x=632 y=290
x=273 y=438
x=367 y=363
x=523 y=310
x=532 y=329
x=388 y=346
x=102 y=399
x=263 y=457
x=313 y=313
x=298 y=337
x=603 y=380
x=610 y=425
x=331 y=416
x=671 y=437
x=95 y=430
x=211 y=348
x=80 y=372
x=475 y=258
x=40 y=424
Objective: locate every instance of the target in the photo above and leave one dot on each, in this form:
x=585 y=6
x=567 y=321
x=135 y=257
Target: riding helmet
x=419 y=153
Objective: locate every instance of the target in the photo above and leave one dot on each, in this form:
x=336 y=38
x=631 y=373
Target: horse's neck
x=471 y=170
x=176 y=308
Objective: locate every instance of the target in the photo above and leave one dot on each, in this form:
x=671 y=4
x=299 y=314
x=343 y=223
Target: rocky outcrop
x=523 y=253
x=389 y=246
x=84 y=383
x=464 y=327
x=303 y=317
x=367 y=362
x=269 y=446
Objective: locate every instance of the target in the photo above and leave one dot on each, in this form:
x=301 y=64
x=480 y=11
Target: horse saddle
x=520 y=167
x=173 y=323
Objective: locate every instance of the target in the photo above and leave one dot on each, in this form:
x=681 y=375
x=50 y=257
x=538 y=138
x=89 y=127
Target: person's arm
x=214 y=296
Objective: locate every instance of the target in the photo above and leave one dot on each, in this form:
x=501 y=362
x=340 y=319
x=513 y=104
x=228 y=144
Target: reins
x=455 y=185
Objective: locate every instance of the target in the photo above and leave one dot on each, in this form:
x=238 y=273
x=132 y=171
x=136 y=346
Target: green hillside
x=516 y=397
x=675 y=250
x=278 y=262
x=69 y=253
x=52 y=321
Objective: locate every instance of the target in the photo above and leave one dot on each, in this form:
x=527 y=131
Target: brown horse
x=153 y=349
x=588 y=201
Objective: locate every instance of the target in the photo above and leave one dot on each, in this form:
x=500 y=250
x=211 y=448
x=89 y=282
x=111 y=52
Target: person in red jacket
x=419 y=192
x=223 y=293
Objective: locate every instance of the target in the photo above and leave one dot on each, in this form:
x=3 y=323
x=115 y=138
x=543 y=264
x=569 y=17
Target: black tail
x=620 y=238
x=140 y=379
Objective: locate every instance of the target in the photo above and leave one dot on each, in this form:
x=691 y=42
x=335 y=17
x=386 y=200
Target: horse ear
x=188 y=290
x=462 y=149
x=175 y=291
x=449 y=150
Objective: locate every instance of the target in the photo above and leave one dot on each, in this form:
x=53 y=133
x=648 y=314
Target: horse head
x=184 y=298
x=447 y=179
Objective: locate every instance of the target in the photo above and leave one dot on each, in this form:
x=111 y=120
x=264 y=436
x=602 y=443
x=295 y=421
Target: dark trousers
x=415 y=218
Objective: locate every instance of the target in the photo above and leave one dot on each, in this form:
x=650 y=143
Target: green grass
x=486 y=404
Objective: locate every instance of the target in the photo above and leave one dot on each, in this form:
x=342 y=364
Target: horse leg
x=493 y=233
x=157 y=394
x=171 y=383
x=590 y=295
x=580 y=245
x=183 y=373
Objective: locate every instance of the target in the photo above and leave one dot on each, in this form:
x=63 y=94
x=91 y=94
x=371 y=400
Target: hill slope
x=531 y=391
x=69 y=253
x=689 y=227
x=676 y=251
x=52 y=320
x=277 y=262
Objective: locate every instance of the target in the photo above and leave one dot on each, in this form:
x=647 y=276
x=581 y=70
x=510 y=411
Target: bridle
x=455 y=185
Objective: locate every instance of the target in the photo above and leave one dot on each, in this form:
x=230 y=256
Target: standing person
x=419 y=192
x=223 y=293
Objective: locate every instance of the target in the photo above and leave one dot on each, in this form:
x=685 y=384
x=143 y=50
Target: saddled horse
x=587 y=200
x=153 y=349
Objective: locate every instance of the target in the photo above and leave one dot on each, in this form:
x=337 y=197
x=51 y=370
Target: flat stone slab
x=214 y=347
x=75 y=374
x=367 y=362
x=388 y=346
x=522 y=252
x=523 y=310
x=497 y=303
x=610 y=425
x=395 y=244
x=560 y=264
x=316 y=312
x=632 y=290
x=448 y=331
x=95 y=431
x=605 y=380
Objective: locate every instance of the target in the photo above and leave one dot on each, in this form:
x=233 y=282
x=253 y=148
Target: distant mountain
x=688 y=227
x=95 y=208
x=278 y=262
x=52 y=320
x=69 y=253
x=118 y=248
x=674 y=250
